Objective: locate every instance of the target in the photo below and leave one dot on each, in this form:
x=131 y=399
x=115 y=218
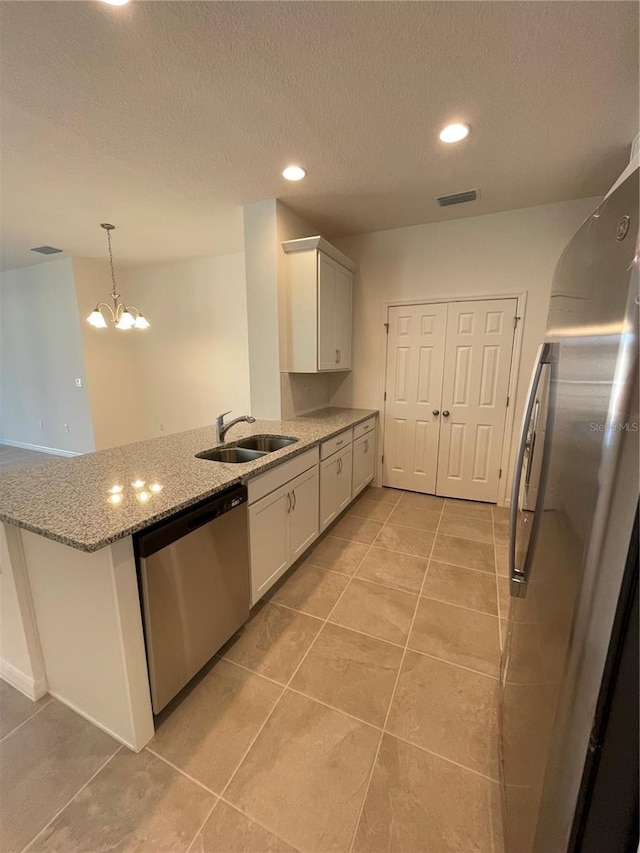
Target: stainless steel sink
x=266 y=443
x=231 y=454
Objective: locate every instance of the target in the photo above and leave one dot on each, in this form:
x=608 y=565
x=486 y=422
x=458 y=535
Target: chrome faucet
x=222 y=428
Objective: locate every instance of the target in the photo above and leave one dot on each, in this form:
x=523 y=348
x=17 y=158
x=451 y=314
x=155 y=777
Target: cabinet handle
x=445 y=413
x=366 y=446
x=294 y=500
x=336 y=356
x=435 y=413
x=340 y=443
x=339 y=356
x=339 y=466
x=289 y=499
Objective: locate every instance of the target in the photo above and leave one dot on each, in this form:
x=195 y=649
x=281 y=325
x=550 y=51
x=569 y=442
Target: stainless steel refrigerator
x=568 y=709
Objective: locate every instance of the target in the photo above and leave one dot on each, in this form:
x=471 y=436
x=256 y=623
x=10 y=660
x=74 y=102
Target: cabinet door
x=327 y=347
x=363 y=462
x=343 y=478
x=369 y=458
x=344 y=287
x=304 y=515
x=328 y=491
x=269 y=540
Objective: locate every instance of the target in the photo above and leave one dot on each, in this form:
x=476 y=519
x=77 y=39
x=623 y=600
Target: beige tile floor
x=356 y=711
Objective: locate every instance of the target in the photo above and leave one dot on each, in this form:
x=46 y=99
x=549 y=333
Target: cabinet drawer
x=277 y=476
x=338 y=442
x=364 y=428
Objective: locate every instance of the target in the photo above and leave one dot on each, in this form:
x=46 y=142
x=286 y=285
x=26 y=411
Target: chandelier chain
x=113 y=275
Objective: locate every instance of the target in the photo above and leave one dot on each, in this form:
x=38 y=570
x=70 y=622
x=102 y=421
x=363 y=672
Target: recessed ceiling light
x=454 y=132
x=116 y=2
x=294 y=173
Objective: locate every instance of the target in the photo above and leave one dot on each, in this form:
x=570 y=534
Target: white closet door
x=415 y=362
x=474 y=394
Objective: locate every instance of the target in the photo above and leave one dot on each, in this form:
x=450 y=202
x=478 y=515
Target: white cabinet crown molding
x=306 y=243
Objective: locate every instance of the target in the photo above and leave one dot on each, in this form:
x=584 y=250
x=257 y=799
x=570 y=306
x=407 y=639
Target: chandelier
x=122 y=316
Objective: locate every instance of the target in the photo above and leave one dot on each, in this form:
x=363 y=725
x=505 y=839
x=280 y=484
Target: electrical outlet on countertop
x=66 y=427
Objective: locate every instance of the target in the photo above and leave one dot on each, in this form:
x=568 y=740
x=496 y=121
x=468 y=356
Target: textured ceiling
x=166 y=117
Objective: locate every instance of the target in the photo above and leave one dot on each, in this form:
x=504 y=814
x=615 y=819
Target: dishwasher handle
x=195 y=523
x=170 y=530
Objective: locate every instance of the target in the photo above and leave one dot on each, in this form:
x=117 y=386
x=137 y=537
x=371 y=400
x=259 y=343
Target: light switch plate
x=78 y=383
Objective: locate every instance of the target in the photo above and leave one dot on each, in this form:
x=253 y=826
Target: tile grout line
x=180 y=771
x=218 y=797
x=30 y=717
x=392 y=697
x=67 y=804
x=202 y=825
x=254 y=820
x=338 y=625
x=452 y=663
x=408 y=554
x=442 y=757
x=391 y=589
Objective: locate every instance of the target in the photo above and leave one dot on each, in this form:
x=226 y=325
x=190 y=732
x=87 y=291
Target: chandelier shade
x=121 y=316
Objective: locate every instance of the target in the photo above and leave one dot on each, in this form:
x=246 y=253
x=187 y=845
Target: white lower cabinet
x=363 y=462
x=303 y=517
x=269 y=541
x=335 y=485
x=282 y=525
x=291 y=503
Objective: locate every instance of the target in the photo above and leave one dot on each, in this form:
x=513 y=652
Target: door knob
x=445 y=413
x=436 y=412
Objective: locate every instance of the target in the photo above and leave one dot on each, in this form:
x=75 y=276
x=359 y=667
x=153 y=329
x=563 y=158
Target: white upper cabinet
x=318 y=307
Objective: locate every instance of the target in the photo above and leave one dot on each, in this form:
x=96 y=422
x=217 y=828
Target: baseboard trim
x=40 y=448
x=94 y=722
x=32 y=688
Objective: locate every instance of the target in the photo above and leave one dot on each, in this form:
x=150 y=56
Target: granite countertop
x=68 y=500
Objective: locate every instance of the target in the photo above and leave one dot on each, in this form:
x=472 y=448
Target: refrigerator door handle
x=517 y=576
x=530 y=446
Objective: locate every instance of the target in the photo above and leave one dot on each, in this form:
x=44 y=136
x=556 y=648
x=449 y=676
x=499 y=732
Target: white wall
x=111 y=360
x=41 y=357
x=190 y=365
x=260 y=245
x=511 y=252
x=193 y=363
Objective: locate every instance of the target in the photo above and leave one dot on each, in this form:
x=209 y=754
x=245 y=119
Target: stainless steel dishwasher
x=194 y=584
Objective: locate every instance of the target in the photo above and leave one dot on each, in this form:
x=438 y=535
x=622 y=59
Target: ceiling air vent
x=46 y=250
x=457 y=198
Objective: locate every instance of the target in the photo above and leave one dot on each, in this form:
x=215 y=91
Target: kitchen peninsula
x=69 y=581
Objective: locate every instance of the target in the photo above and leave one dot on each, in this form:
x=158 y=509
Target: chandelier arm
x=102 y=305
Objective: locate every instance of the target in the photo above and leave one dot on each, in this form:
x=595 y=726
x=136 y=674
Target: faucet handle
x=222 y=416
